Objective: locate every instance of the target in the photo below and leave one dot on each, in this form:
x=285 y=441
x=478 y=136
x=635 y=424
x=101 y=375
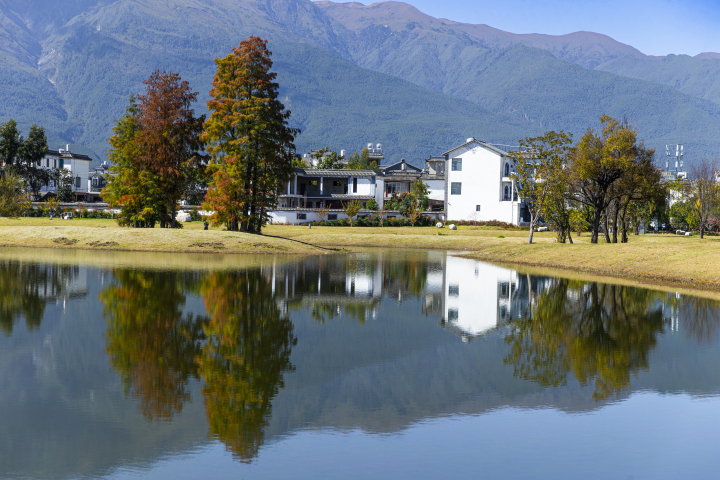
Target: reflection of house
x=477 y=296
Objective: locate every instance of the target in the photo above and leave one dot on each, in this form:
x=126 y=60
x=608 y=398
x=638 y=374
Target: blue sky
x=655 y=27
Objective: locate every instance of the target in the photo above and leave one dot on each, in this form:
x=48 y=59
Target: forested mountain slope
x=351 y=74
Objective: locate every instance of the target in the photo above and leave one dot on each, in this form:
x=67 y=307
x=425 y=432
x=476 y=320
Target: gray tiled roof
x=482 y=144
x=313 y=172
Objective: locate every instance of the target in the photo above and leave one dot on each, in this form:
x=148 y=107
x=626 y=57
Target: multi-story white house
x=478 y=184
x=78 y=165
x=312 y=189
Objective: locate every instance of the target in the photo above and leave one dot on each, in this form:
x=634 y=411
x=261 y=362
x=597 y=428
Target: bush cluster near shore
x=405 y=222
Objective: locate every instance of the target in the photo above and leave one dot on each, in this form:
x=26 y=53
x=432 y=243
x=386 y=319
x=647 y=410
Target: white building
x=78 y=165
x=478 y=184
x=311 y=189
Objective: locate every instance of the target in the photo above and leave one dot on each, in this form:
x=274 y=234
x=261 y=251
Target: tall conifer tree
x=248 y=137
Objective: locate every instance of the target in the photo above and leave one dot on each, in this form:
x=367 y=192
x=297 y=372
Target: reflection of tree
x=247 y=352
x=151 y=344
x=701 y=317
x=408 y=274
x=356 y=310
x=24 y=290
x=598 y=332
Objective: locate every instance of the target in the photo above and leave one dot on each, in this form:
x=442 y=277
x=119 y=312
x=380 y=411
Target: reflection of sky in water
x=646 y=436
x=404 y=364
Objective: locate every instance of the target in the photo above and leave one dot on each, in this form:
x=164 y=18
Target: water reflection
x=151 y=344
x=600 y=333
x=247 y=352
x=373 y=342
x=26 y=288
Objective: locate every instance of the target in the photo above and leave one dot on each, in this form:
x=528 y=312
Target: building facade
x=478 y=185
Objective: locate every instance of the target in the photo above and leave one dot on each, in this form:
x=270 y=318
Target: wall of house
x=379 y=191
x=436 y=189
x=481 y=178
x=79 y=168
x=291 y=216
x=365 y=186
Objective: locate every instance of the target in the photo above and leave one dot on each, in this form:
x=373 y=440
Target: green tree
x=538 y=167
x=351 y=209
x=599 y=161
x=248 y=138
x=11 y=143
x=416 y=202
x=132 y=188
x=702 y=194
x=64 y=180
x=13 y=199
x=33 y=150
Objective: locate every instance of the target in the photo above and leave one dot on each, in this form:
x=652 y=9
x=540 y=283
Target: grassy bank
x=106 y=235
x=668 y=260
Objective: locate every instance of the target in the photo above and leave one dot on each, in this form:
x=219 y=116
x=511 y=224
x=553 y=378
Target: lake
x=404 y=364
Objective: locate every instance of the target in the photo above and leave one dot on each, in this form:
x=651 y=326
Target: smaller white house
x=478 y=184
x=77 y=164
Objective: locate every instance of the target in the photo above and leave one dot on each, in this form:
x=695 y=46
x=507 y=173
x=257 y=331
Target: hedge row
x=374 y=222
x=42 y=212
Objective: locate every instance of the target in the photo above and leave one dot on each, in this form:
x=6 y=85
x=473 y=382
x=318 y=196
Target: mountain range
x=351 y=74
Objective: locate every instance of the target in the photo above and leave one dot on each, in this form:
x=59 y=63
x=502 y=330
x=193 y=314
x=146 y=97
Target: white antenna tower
x=677 y=151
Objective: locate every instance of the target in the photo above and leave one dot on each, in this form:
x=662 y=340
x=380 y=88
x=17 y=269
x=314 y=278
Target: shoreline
x=670 y=262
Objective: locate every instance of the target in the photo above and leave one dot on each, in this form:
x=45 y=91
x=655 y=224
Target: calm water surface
x=394 y=365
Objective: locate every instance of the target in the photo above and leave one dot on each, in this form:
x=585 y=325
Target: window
x=506 y=194
x=354 y=185
x=302 y=216
x=454 y=290
x=452 y=314
x=477 y=208
x=77 y=182
x=62 y=163
x=457 y=164
x=507 y=169
x=332 y=216
x=398 y=188
x=337 y=183
x=456 y=188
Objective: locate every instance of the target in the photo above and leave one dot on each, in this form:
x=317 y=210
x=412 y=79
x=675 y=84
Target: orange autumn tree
x=169 y=139
x=248 y=138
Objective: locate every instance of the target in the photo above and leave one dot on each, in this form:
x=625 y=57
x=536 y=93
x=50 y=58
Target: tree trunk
x=532 y=230
x=615 y=224
x=595 y=226
x=607 y=228
x=570 y=235
x=702 y=230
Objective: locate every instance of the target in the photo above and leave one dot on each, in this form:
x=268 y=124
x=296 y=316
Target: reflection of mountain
x=25 y=289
